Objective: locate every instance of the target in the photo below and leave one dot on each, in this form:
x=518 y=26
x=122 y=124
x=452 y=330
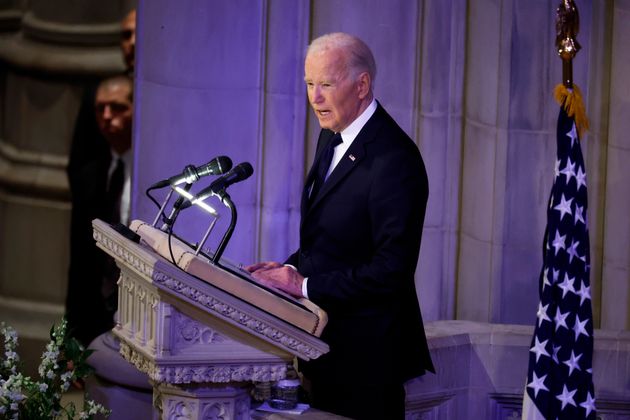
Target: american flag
x=560 y=376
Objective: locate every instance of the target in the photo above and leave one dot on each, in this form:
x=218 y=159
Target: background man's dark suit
x=103 y=128
x=359 y=244
x=88 y=313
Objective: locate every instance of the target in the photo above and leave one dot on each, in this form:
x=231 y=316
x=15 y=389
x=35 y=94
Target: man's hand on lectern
x=280 y=276
x=261 y=266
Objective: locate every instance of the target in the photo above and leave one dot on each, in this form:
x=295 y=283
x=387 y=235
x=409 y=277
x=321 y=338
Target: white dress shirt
x=125 y=198
x=349 y=134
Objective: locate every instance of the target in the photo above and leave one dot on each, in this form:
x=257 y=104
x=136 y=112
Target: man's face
x=113 y=114
x=128 y=40
x=332 y=91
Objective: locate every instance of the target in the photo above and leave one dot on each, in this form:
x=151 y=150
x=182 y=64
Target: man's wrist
x=304 y=288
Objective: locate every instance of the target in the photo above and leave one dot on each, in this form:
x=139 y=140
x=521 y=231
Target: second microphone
x=239 y=173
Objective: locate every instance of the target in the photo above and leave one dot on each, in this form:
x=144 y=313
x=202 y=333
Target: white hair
x=359 y=56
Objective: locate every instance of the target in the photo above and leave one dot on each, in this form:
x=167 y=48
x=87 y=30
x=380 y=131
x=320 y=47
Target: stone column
x=440 y=98
x=48 y=50
x=10 y=15
x=615 y=287
x=509 y=149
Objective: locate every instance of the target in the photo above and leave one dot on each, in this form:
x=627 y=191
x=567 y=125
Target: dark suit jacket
x=359 y=244
x=88 y=311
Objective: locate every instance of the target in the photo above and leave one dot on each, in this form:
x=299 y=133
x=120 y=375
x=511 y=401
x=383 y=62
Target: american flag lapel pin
x=352 y=158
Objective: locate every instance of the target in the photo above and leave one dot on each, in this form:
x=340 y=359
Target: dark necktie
x=114 y=191
x=109 y=289
x=324 y=164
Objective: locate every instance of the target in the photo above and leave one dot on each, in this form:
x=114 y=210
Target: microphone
x=239 y=173
x=190 y=174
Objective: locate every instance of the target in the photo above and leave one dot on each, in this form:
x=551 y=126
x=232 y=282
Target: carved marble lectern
x=200 y=345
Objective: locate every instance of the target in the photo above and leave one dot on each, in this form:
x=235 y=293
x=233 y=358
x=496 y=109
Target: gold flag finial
x=567 y=28
x=568 y=95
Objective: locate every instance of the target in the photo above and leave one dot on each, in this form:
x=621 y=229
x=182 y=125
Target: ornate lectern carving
x=199 y=344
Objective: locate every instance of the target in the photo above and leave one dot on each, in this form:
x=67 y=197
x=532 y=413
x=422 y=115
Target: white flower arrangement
x=63 y=363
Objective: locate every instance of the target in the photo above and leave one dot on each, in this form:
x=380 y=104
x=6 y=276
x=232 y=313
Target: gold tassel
x=571 y=101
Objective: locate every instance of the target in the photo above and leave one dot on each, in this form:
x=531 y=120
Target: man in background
x=362 y=214
x=91 y=155
x=87 y=141
x=128 y=42
x=100 y=189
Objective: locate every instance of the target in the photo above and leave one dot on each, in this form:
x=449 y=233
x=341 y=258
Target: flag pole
x=559 y=376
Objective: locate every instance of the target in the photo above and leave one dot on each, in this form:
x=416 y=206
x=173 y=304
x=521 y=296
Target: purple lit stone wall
x=198 y=95
x=470 y=81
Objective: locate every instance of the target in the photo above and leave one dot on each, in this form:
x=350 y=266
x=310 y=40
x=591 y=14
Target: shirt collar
x=352 y=131
x=126 y=157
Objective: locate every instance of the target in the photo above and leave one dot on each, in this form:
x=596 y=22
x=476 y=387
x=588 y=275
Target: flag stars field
x=554 y=357
x=589 y=404
x=573 y=135
x=567 y=285
x=538 y=384
x=542 y=314
x=539 y=349
x=546 y=279
x=579 y=215
x=580 y=178
x=566 y=397
x=560 y=319
x=573 y=362
x=558 y=242
x=584 y=292
x=564 y=207
x=569 y=170
x=556 y=169
x=559 y=378
x=579 y=327
x=572 y=250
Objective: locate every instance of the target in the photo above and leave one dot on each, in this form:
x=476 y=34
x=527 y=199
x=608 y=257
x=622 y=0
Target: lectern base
x=229 y=401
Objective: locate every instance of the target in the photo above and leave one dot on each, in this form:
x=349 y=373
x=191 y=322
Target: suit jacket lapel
x=311 y=174
x=343 y=168
x=349 y=161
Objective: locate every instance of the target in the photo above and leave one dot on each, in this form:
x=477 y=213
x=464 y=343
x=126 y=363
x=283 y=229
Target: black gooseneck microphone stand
x=227 y=201
x=170 y=220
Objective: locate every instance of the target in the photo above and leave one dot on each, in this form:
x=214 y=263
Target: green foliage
x=63 y=362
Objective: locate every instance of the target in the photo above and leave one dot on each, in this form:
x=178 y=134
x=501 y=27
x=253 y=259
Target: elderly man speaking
x=363 y=208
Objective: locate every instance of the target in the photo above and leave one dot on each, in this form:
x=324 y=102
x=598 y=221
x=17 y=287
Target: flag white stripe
x=530 y=411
